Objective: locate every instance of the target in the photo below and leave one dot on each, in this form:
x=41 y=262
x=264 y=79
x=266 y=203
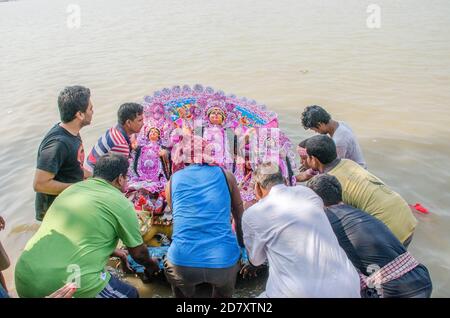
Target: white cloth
x=290 y=229
x=347 y=146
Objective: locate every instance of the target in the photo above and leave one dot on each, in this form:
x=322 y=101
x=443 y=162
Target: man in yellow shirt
x=362 y=189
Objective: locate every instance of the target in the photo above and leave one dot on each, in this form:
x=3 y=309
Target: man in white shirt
x=316 y=118
x=289 y=229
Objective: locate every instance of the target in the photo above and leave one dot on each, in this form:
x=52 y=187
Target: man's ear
x=317 y=164
x=321 y=126
x=79 y=115
x=118 y=182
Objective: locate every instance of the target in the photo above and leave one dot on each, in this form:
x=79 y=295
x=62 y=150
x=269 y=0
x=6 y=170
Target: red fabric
x=420 y=208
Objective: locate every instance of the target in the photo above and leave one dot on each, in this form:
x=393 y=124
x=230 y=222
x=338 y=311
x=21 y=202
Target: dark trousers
x=185 y=279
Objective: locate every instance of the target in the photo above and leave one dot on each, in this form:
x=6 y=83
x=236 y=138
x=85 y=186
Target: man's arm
x=237 y=206
x=303 y=176
x=44 y=182
x=255 y=247
x=167 y=193
x=141 y=256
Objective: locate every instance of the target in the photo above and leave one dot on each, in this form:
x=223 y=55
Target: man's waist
x=401 y=265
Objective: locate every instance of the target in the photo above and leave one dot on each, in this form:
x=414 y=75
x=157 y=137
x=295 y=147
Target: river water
x=391 y=84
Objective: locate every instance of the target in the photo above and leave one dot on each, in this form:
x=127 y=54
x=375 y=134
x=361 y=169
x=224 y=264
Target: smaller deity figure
x=150 y=168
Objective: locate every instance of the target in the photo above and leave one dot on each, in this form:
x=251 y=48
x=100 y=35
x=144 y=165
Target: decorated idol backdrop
x=243 y=133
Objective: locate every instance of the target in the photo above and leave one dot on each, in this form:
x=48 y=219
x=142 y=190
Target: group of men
x=344 y=234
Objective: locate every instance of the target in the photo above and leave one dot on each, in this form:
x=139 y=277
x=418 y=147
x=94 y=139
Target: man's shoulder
x=253 y=214
x=57 y=134
x=106 y=192
x=229 y=175
x=344 y=134
x=116 y=135
x=346 y=210
x=345 y=165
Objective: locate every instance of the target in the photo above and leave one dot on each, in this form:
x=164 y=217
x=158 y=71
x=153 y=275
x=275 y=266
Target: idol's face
x=153 y=135
x=216 y=117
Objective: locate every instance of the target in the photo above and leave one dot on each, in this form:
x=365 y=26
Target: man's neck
x=73 y=127
x=271 y=189
x=326 y=168
x=332 y=126
x=114 y=183
x=125 y=130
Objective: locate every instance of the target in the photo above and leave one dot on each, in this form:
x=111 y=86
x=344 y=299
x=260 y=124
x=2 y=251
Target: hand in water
x=249 y=271
x=154 y=267
x=123 y=255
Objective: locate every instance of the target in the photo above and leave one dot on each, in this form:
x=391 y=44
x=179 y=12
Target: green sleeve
x=128 y=226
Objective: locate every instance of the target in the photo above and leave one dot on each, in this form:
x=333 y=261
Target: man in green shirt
x=80 y=232
x=362 y=189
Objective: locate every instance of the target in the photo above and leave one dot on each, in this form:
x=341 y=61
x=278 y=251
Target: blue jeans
x=118 y=289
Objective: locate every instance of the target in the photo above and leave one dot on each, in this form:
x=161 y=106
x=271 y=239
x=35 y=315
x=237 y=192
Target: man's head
x=130 y=116
x=301 y=149
x=321 y=151
x=315 y=118
x=112 y=168
x=74 y=103
x=327 y=187
x=266 y=176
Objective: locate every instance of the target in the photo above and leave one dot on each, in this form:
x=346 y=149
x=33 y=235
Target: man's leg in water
x=223 y=280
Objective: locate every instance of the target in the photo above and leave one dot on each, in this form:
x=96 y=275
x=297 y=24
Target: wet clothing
x=118 y=289
x=347 y=147
x=113 y=140
x=368 y=242
x=61 y=154
x=184 y=279
x=366 y=192
x=289 y=229
x=202 y=235
x=78 y=235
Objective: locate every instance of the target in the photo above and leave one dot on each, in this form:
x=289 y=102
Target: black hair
x=71 y=100
x=322 y=147
x=111 y=166
x=313 y=115
x=302 y=143
x=129 y=111
x=327 y=187
x=289 y=168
